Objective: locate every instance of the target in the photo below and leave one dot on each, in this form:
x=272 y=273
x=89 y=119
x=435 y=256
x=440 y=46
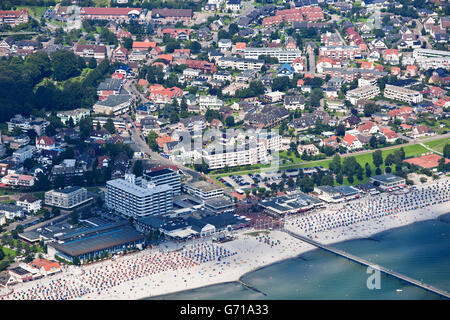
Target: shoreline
x=299 y=256
x=177 y=267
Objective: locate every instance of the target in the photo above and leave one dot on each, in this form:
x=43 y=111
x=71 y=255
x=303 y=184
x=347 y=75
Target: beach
x=179 y=267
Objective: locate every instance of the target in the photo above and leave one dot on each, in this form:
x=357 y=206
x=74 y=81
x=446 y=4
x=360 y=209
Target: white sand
x=251 y=255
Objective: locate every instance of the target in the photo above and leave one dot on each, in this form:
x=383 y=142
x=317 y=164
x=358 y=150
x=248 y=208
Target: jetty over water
x=364 y=262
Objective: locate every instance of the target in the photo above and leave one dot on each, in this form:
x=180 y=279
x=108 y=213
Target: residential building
x=29 y=203
x=117 y=15
x=66 y=198
x=283 y=56
x=18 y=180
x=362 y=93
x=340 y=52
x=89 y=51
x=76 y=115
x=45 y=143
x=11 y=211
x=26 y=152
x=113 y=105
x=14 y=17
x=240 y=64
x=402 y=94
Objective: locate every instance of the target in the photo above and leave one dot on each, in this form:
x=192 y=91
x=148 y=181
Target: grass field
x=8 y=252
x=362 y=159
x=35 y=10
x=438 y=145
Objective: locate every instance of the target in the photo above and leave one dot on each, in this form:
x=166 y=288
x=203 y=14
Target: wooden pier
x=364 y=262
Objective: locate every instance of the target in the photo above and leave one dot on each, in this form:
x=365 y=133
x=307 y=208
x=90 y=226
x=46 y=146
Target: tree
x=109 y=125
x=370 y=108
x=447 y=151
x=373 y=142
x=86 y=127
x=151 y=138
x=138 y=168
x=76 y=261
x=368 y=170
x=174 y=117
x=339 y=178
x=92 y=64
x=390 y=159
x=388 y=170
x=65 y=65
x=377 y=157
x=335 y=164
x=229 y=121
x=340 y=130
x=127 y=43
x=378 y=171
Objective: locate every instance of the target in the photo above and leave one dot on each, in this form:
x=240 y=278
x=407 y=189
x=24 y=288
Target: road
x=155 y=157
x=418 y=31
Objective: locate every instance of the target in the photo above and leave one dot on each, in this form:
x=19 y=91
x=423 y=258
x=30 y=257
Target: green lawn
x=8 y=252
x=438 y=145
x=34 y=10
x=410 y=151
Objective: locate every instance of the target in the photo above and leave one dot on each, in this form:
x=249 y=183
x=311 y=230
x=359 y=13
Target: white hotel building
x=283 y=56
x=427 y=58
x=402 y=94
x=221 y=156
x=362 y=93
x=131 y=200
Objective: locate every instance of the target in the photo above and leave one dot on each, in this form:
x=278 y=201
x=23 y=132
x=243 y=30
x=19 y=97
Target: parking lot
x=263 y=179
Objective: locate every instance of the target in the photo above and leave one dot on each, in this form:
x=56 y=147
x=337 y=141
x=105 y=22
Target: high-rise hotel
x=129 y=199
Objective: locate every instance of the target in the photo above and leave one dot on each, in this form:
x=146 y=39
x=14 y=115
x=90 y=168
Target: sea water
x=420 y=251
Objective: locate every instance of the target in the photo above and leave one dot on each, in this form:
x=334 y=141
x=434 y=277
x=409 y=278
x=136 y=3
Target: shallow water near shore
x=420 y=250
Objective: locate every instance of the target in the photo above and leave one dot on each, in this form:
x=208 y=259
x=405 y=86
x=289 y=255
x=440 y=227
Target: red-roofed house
x=102 y=162
x=421 y=131
x=45 y=143
x=437 y=92
x=391 y=55
x=165 y=95
x=46 y=267
x=331 y=142
x=162 y=140
x=351 y=142
x=120 y=54
x=395 y=71
x=411 y=71
x=368 y=127
x=298 y=65
x=143 y=45
x=390 y=135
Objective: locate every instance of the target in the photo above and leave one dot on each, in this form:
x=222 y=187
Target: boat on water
x=399 y=290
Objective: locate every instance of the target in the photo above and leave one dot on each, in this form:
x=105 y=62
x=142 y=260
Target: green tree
x=109 y=125
x=335 y=164
x=229 y=121
x=92 y=64
x=138 y=168
x=368 y=170
x=377 y=157
x=65 y=65
x=151 y=138
x=446 y=151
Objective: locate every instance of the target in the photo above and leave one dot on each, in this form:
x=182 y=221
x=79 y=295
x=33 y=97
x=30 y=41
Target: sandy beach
x=178 y=267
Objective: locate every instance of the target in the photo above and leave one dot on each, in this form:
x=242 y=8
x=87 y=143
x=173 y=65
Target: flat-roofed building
x=203 y=190
x=362 y=93
x=131 y=200
x=66 y=198
x=283 y=56
x=87 y=244
x=18 y=180
x=402 y=94
x=165 y=176
x=388 y=181
x=336 y=193
x=240 y=63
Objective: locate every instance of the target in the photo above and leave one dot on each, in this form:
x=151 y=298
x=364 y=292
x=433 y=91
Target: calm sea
x=420 y=250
